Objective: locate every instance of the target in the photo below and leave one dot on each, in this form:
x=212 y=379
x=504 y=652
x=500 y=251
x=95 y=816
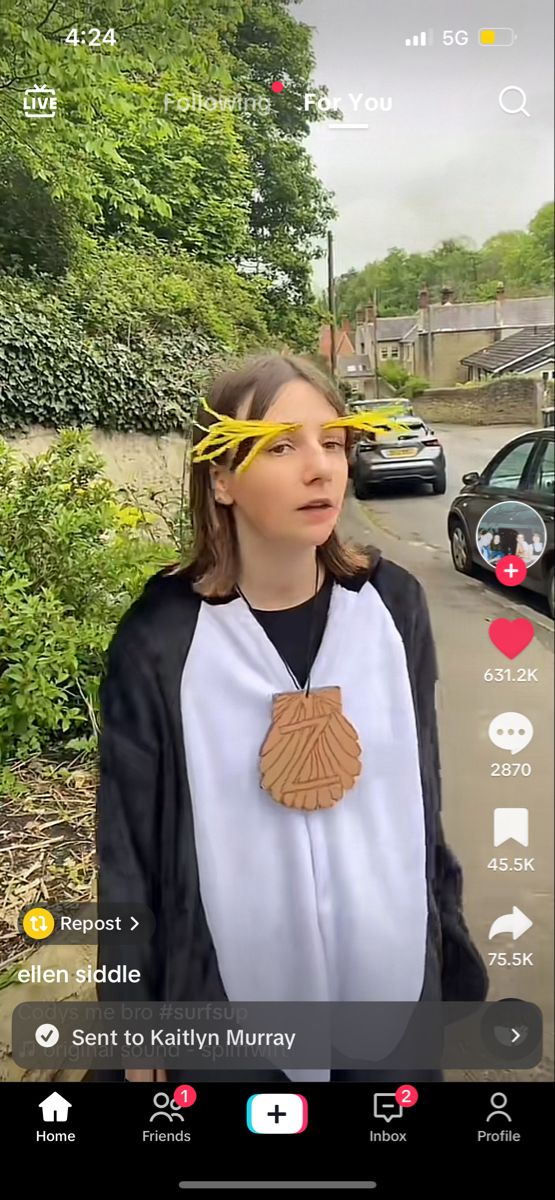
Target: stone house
x=396 y=338
x=435 y=340
x=358 y=372
x=524 y=353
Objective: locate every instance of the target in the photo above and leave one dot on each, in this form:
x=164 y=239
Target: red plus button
x=511 y=570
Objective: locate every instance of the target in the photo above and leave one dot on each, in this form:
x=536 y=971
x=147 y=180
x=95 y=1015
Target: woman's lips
x=318 y=512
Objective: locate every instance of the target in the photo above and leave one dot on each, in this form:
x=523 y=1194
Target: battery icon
x=497 y=37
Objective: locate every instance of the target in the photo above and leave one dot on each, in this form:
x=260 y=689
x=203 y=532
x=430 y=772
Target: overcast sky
x=446 y=161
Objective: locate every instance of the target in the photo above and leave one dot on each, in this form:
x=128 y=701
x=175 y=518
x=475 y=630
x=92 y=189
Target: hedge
x=52 y=373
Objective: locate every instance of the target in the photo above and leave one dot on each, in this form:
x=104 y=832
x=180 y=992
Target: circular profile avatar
x=511 y=527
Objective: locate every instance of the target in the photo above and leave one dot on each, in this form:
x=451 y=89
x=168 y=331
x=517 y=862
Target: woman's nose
x=316 y=463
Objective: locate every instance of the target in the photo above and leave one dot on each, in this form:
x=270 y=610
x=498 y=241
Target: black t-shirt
x=297 y=632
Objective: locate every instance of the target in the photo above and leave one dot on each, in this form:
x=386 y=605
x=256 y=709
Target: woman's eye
x=337 y=443
x=281 y=446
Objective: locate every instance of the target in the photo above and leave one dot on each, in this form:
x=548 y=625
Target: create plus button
x=277 y=1112
x=511 y=570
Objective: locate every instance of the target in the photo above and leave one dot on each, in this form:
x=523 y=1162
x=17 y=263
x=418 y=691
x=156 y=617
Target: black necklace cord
x=309 y=658
x=309 y=663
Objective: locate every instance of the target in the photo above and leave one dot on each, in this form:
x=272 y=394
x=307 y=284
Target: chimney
x=446 y=295
x=359 y=315
x=369 y=314
x=499 y=314
x=424 y=296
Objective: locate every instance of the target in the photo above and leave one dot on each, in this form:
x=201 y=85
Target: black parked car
x=523 y=470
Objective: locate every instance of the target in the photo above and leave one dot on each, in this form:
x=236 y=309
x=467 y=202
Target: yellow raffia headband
x=226 y=433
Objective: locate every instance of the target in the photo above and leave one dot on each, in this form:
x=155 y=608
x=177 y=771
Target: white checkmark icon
x=47 y=1035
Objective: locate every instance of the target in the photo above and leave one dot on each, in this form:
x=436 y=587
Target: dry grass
x=47 y=850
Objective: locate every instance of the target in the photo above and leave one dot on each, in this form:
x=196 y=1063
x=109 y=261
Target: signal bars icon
x=421 y=39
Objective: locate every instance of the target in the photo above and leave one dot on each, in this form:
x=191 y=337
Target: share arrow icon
x=515 y=923
x=135 y=924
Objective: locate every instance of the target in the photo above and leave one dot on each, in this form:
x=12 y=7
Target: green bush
x=72 y=559
x=402 y=381
x=53 y=374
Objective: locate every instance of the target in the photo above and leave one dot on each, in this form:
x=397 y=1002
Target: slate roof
x=519 y=351
x=354 y=366
x=396 y=329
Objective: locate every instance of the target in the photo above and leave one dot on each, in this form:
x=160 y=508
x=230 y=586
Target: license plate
x=401 y=453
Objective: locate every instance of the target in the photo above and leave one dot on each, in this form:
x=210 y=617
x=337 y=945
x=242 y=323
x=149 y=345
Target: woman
x=270 y=784
x=484 y=544
x=523 y=549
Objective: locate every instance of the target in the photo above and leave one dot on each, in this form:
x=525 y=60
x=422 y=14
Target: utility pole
x=375 y=343
x=331 y=304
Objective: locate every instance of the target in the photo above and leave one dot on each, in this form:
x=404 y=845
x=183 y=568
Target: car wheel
x=551 y=591
x=360 y=489
x=439 y=484
x=460 y=549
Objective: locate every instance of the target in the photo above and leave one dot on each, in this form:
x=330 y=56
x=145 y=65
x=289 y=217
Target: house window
x=383 y=351
x=395 y=352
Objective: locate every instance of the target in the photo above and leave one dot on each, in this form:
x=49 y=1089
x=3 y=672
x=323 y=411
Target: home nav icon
x=55 y=1107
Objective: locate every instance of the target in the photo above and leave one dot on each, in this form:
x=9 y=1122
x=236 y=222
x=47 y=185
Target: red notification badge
x=184 y=1095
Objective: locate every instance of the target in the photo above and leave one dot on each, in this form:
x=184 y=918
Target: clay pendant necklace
x=311 y=754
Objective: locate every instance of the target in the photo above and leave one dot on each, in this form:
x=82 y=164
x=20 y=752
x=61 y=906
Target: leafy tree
x=132 y=155
x=520 y=259
x=35 y=230
x=290 y=209
x=111 y=149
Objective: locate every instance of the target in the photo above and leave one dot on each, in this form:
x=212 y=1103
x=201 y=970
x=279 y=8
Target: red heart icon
x=511 y=637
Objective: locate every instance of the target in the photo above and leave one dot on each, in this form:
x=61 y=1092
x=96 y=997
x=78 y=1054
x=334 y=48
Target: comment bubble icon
x=386 y=1107
x=511 y=731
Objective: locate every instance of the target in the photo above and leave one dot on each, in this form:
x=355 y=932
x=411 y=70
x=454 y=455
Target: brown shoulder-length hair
x=214 y=565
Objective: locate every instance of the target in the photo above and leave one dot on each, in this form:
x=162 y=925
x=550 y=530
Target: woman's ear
x=219 y=477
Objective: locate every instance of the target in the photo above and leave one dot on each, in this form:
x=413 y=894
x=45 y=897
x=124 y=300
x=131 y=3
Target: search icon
x=519 y=99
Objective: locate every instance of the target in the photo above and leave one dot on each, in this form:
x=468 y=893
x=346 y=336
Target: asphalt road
x=410 y=528
x=466 y=449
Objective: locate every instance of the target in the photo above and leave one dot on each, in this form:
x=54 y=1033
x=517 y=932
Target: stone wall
x=137 y=462
x=142 y=463
x=508 y=401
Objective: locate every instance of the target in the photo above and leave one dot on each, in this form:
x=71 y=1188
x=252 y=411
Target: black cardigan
x=145 y=834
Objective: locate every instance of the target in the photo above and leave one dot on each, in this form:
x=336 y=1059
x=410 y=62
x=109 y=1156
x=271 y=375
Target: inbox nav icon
x=386 y=1106
x=39 y=101
x=277 y=1112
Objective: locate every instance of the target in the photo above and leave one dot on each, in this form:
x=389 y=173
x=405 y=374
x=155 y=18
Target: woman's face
x=310 y=464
